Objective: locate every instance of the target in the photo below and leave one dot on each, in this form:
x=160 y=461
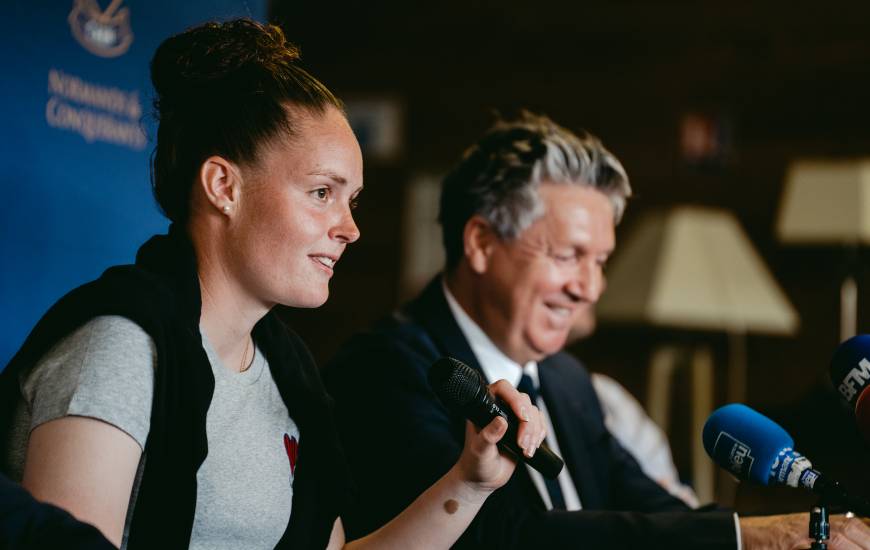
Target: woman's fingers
x=481 y=460
x=495 y=430
x=532 y=429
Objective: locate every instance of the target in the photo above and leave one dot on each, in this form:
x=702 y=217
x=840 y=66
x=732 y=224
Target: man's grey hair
x=498 y=177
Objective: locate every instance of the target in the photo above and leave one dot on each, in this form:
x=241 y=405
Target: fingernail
x=524 y=414
x=525 y=443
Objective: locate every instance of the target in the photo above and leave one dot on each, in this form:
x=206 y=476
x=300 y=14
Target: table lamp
x=827 y=202
x=694 y=268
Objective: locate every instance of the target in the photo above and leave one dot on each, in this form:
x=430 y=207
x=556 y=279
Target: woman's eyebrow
x=329 y=174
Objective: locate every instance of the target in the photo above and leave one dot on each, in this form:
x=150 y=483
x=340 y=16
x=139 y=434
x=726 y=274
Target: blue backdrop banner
x=76 y=139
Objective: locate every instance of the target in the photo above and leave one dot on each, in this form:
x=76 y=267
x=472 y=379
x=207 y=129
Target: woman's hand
x=438 y=517
x=481 y=464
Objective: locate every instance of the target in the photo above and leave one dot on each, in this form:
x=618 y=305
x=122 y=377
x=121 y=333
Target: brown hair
x=222 y=89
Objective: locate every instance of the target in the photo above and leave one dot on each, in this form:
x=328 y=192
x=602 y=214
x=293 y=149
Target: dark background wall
x=785 y=79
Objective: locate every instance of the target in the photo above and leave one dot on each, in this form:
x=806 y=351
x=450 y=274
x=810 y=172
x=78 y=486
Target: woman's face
x=295 y=216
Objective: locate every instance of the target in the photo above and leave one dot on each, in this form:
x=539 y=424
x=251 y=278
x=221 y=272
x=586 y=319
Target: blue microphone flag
x=745 y=442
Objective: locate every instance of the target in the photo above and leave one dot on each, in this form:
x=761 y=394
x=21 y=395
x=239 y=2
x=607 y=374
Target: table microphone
x=755 y=448
x=463 y=390
x=850 y=374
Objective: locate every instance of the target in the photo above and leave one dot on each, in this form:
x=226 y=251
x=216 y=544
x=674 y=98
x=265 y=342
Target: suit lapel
x=562 y=391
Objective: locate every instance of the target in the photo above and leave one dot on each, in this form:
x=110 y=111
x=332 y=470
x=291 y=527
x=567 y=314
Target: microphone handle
x=484 y=409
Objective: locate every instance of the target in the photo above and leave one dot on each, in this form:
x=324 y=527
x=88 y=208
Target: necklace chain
x=242 y=366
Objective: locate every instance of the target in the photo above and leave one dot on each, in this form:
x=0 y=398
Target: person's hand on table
x=790 y=532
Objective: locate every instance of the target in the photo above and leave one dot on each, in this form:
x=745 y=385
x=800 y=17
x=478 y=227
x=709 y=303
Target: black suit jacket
x=400 y=439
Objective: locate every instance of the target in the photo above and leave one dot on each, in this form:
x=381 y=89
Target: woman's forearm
x=441 y=514
x=436 y=519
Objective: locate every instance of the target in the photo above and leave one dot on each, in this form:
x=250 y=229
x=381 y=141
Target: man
x=528 y=221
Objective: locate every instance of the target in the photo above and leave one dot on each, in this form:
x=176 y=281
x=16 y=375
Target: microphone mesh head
x=454 y=382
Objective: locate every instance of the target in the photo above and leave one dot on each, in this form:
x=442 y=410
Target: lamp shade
x=826 y=201
x=694 y=268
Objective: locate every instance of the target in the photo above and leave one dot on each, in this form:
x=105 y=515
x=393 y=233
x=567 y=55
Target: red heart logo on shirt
x=292 y=448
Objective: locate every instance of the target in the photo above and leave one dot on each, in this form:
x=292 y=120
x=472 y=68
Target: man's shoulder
x=393 y=344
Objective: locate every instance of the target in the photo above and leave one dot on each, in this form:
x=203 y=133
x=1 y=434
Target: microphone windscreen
x=463 y=390
x=850 y=368
x=744 y=442
x=455 y=383
x=850 y=374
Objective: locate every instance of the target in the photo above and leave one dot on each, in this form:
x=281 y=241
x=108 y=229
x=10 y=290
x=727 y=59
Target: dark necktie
x=528 y=387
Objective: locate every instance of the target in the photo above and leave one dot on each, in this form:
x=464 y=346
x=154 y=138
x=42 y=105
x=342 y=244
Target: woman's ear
x=478 y=240
x=220 y=181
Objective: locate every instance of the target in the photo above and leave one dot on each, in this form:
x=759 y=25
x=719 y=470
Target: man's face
x=537 y=285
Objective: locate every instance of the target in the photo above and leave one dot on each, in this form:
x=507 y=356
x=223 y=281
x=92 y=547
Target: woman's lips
x=326 y=263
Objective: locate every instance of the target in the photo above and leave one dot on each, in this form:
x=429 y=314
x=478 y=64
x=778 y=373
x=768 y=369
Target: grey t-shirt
x=105 y=370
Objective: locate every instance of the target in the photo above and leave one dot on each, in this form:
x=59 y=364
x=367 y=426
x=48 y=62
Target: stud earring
x=226 y=209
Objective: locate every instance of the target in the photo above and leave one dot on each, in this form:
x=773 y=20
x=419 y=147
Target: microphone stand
x=820 y=528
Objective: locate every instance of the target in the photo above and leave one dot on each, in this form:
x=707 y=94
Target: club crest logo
x=105 y=33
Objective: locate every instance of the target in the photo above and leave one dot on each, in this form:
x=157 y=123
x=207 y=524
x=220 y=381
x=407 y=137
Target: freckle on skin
x=451 y=506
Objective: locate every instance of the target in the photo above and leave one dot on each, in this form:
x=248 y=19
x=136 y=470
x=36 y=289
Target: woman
x=165 y=403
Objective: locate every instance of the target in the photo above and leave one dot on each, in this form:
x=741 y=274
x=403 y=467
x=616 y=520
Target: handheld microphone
x=850 y=374
x=463 y=390
x=752 y=447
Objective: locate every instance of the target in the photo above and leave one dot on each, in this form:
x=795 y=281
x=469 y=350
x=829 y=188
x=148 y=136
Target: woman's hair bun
x=217 y=59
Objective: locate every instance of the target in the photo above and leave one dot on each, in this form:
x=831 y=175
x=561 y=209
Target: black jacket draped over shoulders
x=161 y=293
